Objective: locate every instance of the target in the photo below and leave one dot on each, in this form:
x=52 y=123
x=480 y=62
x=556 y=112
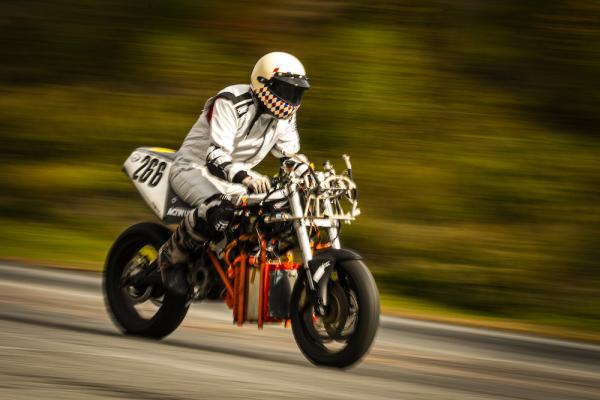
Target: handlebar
x=297 y=166
x=252 y=199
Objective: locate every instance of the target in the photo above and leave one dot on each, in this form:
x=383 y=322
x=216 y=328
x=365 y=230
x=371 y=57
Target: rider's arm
x=223 y=127
x=288 y=141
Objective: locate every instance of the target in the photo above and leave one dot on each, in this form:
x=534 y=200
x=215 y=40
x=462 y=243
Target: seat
x=163 y=152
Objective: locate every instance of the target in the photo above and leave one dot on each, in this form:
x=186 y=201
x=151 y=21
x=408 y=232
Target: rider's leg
x=197 y=187
x=205 y=223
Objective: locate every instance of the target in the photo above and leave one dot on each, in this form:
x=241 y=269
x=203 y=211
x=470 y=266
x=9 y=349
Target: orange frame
x=237 y=269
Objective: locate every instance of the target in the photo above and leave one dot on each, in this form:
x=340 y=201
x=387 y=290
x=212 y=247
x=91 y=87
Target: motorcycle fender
x=322 y=264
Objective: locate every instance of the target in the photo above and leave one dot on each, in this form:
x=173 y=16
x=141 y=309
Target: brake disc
x=335 y=321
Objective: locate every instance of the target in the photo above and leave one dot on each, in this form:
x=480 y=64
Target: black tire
x=366 y=326
x=173 y=309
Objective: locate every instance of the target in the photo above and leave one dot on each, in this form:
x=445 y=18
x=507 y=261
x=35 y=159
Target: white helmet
x=279 y=81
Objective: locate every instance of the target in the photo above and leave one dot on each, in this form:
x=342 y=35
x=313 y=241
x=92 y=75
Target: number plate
x=149 y=172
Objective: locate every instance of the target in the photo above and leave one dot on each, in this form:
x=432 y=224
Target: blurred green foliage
x=472 y=126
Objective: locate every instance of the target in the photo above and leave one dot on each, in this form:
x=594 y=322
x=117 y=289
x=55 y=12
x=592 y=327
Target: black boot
x=174 y=256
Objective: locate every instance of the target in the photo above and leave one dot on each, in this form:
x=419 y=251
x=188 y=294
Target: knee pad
x=219 y=217
x=213 y=216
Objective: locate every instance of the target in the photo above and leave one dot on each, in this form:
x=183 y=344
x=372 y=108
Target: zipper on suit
x=264 y=138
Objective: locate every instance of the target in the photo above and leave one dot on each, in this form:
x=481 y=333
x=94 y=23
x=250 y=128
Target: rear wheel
x=144 y=310
x=345 y=334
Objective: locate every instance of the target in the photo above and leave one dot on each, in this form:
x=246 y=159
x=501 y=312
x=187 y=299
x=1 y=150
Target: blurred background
x=472 y=126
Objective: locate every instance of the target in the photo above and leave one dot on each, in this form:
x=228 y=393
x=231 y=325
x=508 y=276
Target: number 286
x=150 y=170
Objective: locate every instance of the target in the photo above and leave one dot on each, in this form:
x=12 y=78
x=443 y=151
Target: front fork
x=317 y=295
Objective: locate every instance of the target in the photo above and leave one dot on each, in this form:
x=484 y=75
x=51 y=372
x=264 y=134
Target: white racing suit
x=230 y=138
x=233 y=134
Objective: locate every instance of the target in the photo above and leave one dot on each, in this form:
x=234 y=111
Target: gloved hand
x=257 y=185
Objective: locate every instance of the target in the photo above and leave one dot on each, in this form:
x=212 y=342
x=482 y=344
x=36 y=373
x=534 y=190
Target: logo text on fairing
x=177 y=212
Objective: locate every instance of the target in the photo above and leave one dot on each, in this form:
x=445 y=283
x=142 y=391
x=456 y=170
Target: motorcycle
x=281 y=261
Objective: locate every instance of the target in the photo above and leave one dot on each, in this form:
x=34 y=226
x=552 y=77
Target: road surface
x=57 y=342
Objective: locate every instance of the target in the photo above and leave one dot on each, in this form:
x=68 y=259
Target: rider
x=236 y=130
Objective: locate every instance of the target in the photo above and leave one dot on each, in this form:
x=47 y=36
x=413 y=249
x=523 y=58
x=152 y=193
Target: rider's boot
x=174 y=256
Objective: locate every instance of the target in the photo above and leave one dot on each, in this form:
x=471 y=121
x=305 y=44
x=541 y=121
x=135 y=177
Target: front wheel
x=144 y=310
x=343 y=336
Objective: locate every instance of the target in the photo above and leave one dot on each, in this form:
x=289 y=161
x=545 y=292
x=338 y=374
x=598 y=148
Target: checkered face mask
x=277 y=106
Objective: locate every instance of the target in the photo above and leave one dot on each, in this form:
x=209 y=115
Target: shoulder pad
x=240 y=102
x=242 y=98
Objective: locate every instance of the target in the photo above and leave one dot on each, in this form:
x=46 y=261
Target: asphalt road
x=57 y=342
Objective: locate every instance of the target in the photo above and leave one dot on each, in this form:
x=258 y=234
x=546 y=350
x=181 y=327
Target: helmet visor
x=289 y=88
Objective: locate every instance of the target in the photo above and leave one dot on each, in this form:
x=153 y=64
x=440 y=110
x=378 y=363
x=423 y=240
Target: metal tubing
x=302 y=234
x=261 y=287
x=334 y=236
x=242 y=288
x=217 y=266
